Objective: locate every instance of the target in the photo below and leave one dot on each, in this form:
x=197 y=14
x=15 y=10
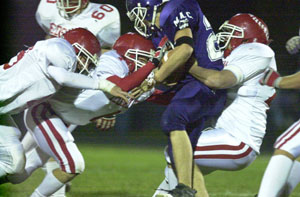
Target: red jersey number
x=100 y=14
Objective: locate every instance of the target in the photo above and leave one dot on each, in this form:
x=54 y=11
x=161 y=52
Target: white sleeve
x=246 y=67
x=69 y=79
x=109 y=66
x=60 y=53
x=109 y=34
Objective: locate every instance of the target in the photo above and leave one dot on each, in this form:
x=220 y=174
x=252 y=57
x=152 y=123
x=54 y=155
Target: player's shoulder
x=177 y=10
x=60 y=46
x=99 y=11
x=47 y=8
x=254 y=49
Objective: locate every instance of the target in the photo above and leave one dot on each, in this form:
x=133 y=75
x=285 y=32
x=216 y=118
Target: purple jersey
x=180 y=14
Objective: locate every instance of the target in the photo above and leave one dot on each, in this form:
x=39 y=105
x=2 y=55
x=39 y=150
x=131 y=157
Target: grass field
x=126 y=171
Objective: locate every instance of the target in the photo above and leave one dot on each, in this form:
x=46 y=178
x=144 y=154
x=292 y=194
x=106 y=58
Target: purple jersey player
x=184 y=24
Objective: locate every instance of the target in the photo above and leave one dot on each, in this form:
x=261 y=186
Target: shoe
x=68 y=186
x=182 y=190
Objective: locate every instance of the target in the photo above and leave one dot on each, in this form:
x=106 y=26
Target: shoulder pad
x=255 y=49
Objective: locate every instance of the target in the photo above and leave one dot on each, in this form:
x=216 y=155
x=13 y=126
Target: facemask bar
x=65 y=9
x=227 y=34
x=89 y=58
x=138 y=15
x=134 y=54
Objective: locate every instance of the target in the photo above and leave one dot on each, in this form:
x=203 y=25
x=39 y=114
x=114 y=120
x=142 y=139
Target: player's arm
x=290 y=81
x=75 y=80
x=133 y=80
x=214 y=78
x=273 y=78
x=180 y=54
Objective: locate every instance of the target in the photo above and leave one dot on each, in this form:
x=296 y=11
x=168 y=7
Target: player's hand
x=163 y=46
x=293 y=45
x=270 y=78
x=117 y=92
x=106 y=123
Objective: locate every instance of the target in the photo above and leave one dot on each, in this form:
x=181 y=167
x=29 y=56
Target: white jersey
x=103 y=20
x=246 y=117
x=81 y=107
x=25 y=79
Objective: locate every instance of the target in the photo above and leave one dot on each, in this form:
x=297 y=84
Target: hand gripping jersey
x=102 y=20
x=246 y=117
x=81 y=107
x=25 y=79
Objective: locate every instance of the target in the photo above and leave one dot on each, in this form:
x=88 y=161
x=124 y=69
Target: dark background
x=140 y=125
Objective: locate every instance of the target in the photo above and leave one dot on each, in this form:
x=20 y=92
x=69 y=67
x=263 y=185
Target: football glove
x=163 y=46
x=106 y=123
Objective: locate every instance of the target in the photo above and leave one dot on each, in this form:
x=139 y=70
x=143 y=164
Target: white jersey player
x=236 y=139
x=285 y=162
x=35 y=75
x=47 y=121
x=57 y=16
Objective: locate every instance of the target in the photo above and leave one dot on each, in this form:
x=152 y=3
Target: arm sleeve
x=69 y=79
x=247 y=67
x=133 y=80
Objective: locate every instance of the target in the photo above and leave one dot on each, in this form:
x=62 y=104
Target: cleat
x=182 y=190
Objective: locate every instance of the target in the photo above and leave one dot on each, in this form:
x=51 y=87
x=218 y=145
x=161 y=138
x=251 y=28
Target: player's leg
x=12 y=157
x=287 y=148
x=55 y=140
x=188 y=107
x=217 y=149
x=35 y=159
x=293 y=179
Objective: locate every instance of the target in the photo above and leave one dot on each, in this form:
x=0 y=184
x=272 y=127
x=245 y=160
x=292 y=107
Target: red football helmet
x=86 y=45
x=132 y=47
x=67 y=8
x=242 y=28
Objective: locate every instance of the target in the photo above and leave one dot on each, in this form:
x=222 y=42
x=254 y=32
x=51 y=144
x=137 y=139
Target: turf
x=126 y=171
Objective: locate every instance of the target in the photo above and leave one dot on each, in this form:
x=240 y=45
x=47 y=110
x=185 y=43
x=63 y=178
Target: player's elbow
x=186 y=51
x=214 y=82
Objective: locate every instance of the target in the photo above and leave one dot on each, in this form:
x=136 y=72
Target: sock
x=171 y=177
x=293 y=179
x=275 y=176
x=49 y=185
x=50 y=166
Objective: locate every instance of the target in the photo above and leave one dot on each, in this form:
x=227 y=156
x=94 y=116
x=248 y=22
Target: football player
x=103 y=20
x=184 y=24
x=57 y=16
x=285 y=162
x=235 y=141
x=34 y=75
x=124 y=65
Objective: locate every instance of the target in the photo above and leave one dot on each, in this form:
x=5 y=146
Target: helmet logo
x=261 y=25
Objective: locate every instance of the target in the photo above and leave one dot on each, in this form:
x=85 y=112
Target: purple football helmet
x=140 y=10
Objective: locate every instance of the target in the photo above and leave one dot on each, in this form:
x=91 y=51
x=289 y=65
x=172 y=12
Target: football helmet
x=135 y=49
x=242 y=28
x=87 y=48
x=140 y=10
x=67 y=8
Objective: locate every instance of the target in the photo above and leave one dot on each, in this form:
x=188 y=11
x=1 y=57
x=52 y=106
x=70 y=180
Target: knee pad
x=75 y=163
